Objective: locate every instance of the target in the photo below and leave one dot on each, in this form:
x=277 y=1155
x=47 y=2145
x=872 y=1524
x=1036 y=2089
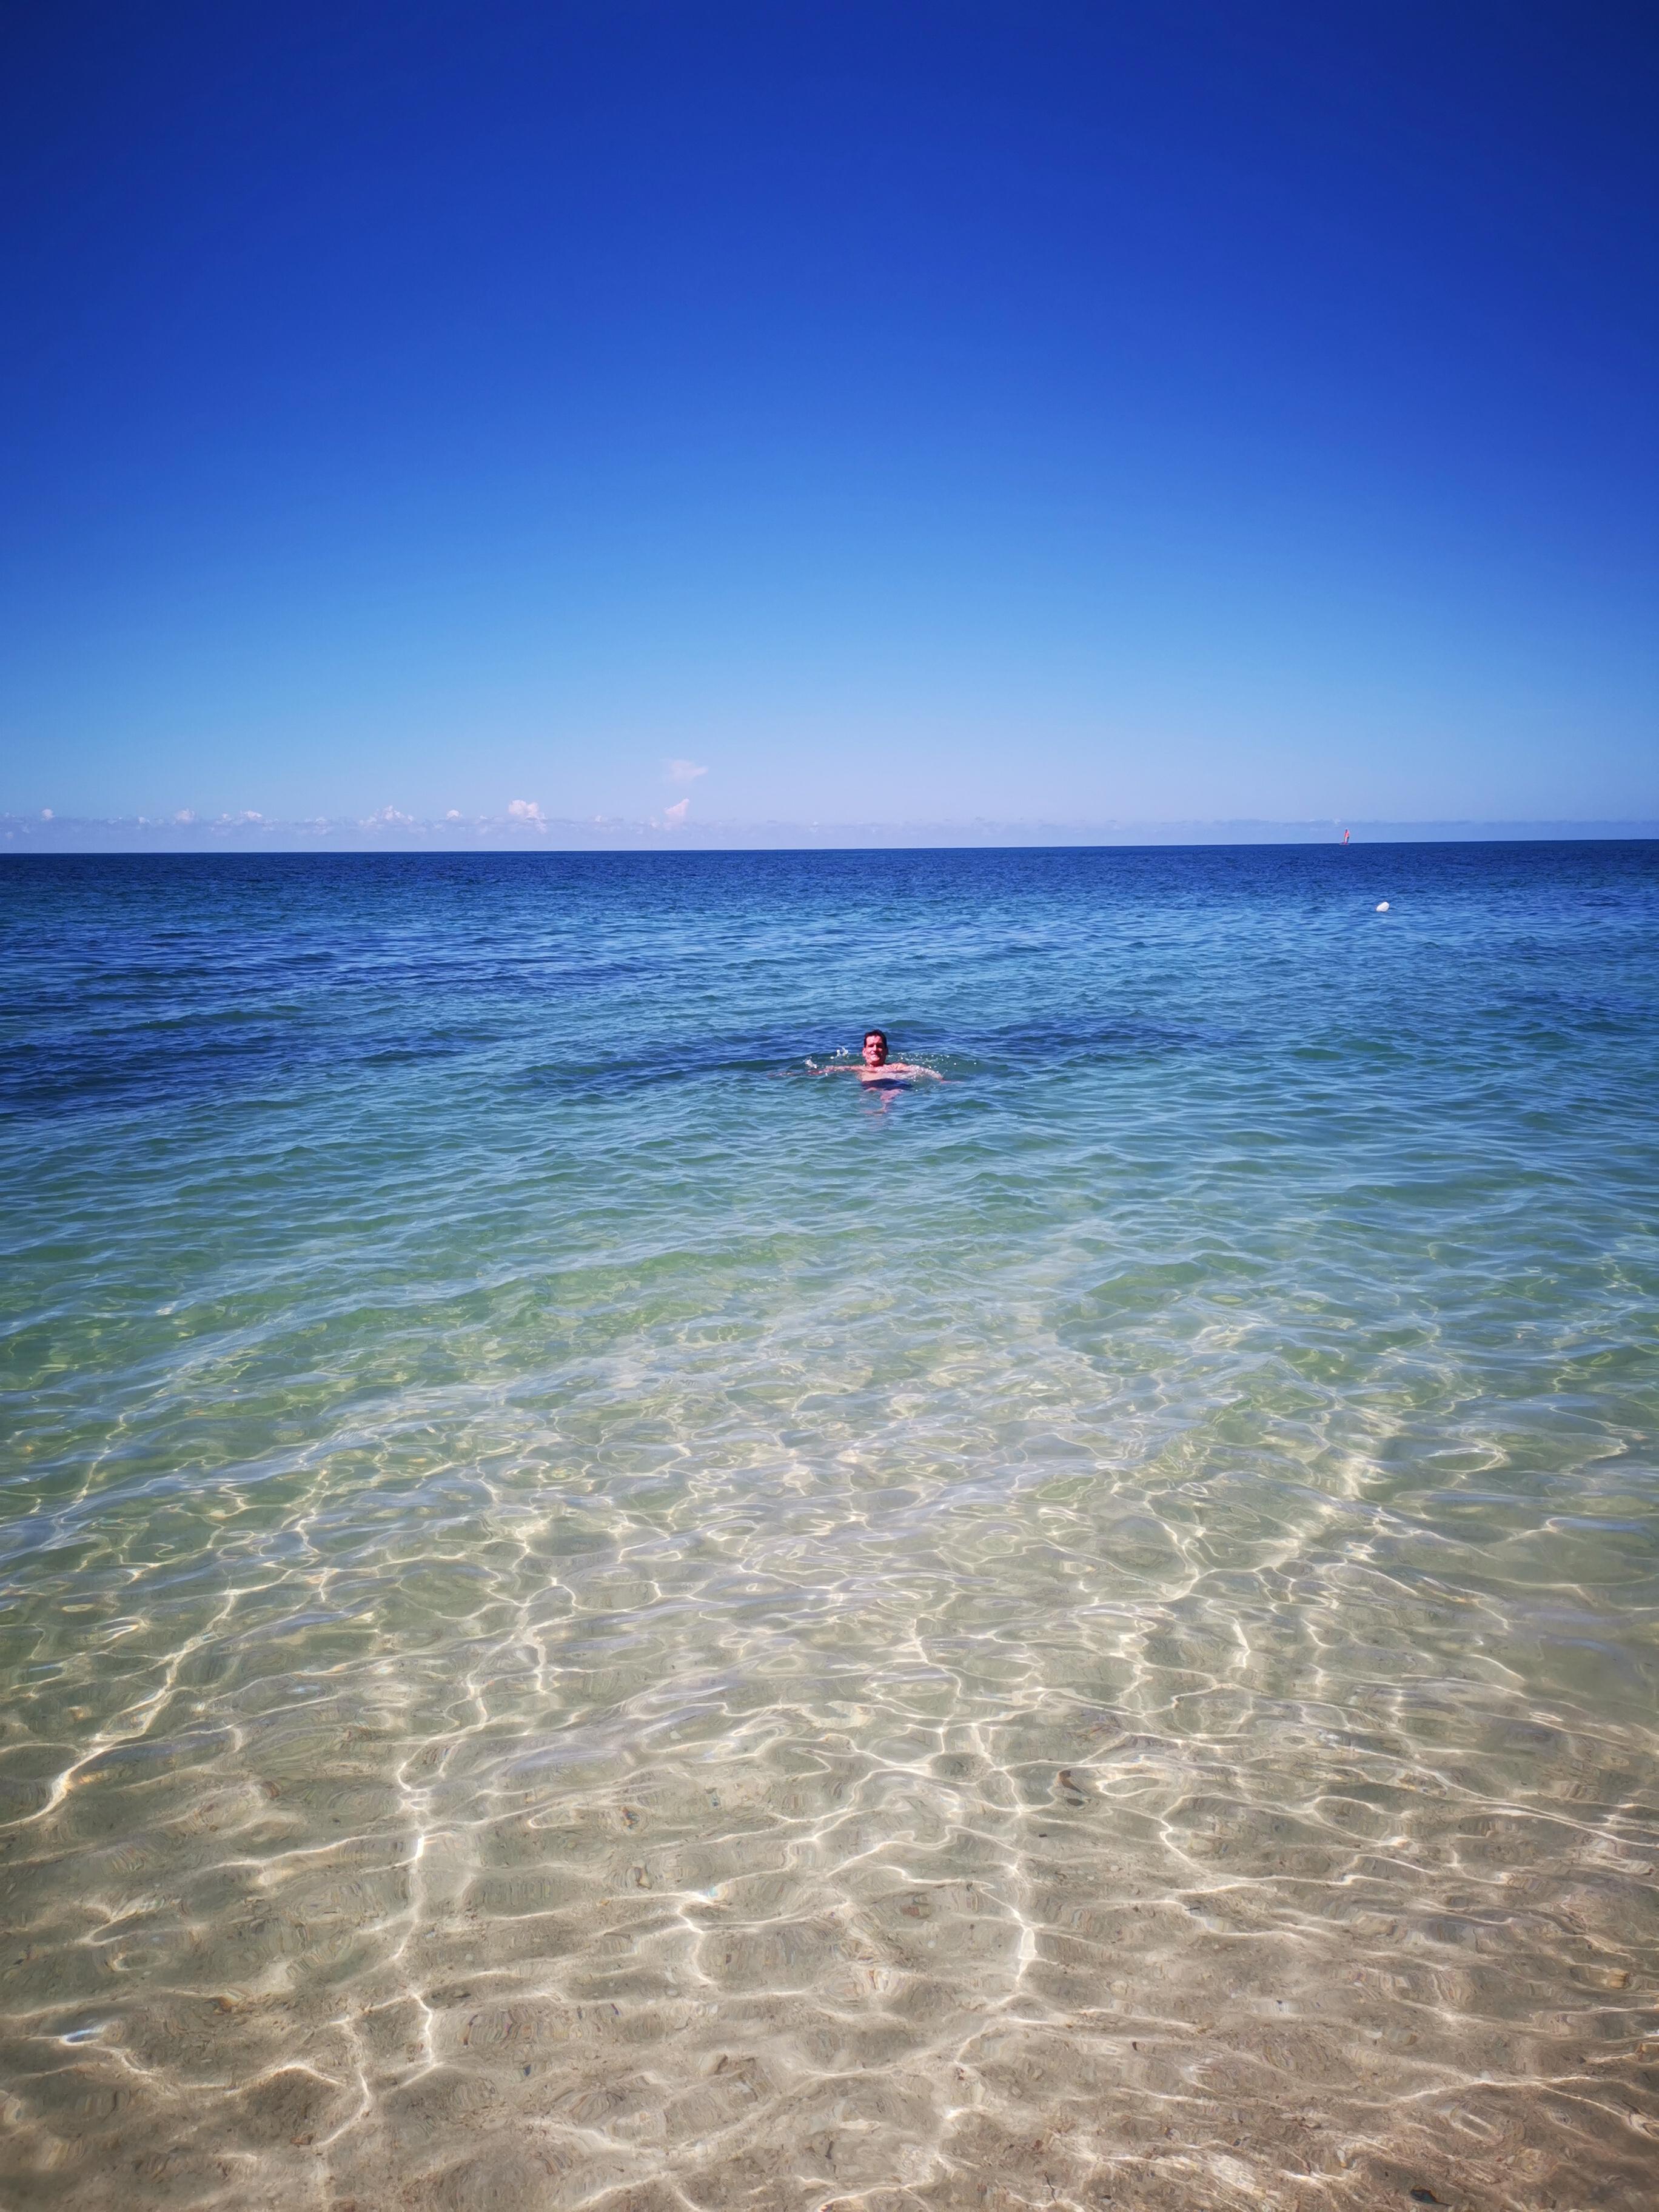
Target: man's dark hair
x=882 y=1034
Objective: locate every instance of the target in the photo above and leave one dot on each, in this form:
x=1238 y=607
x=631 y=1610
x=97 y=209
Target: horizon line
x=527 y=831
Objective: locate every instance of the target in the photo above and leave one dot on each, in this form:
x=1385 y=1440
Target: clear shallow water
x=591 y=1619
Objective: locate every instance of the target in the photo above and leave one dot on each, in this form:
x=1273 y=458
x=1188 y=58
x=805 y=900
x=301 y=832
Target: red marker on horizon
x=1346 y=833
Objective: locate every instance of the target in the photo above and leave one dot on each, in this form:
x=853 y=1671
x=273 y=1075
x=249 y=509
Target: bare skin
x=876 y=1067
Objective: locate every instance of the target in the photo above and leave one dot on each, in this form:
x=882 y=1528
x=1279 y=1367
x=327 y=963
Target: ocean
x=593 y=1616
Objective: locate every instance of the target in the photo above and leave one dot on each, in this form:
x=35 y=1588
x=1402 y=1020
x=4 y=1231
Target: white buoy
x=1381 y=906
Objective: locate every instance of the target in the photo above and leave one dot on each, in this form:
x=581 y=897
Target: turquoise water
x=593 y=1618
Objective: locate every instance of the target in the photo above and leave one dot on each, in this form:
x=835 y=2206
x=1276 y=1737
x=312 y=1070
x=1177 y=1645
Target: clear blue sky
x=1026 y=412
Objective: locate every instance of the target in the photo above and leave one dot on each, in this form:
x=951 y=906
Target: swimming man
x=876 y=1068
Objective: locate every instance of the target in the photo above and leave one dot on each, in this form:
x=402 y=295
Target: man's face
x=874 y=1052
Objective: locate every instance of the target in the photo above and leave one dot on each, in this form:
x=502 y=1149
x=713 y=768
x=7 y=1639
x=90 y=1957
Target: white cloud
x=451 y=814
x=674 y=815
x=524 y=809
x=684 y=771
x=45 y=814
x=185 y=814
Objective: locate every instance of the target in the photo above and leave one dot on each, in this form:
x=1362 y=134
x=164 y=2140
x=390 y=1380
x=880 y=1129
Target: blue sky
x=899 y=412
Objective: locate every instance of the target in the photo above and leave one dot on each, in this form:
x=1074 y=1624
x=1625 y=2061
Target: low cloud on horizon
x=527 y=826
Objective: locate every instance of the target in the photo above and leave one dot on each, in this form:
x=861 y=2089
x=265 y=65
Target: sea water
x=593 y=1616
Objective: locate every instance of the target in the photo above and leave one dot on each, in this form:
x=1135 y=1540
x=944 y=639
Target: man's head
x=875 y=1048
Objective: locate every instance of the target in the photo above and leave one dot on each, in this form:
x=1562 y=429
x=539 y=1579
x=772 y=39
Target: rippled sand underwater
x=592 y=1619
